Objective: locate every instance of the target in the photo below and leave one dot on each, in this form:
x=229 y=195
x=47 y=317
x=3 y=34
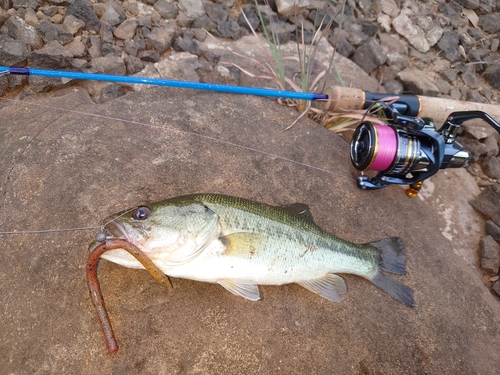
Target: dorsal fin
x=300 y=209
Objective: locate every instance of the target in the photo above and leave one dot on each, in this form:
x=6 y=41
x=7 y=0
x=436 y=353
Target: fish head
x=167 y=231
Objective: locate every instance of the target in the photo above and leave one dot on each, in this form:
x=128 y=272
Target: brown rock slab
x=488 y=202
x=70 y=169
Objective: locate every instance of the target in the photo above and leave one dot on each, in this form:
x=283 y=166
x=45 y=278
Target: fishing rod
x=162 y=82
x=335 y=98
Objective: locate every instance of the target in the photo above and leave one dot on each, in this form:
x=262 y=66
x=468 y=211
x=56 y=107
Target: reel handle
x=345 y=99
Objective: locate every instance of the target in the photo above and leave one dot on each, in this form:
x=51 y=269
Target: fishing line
x=203 y=136
x=210 y=138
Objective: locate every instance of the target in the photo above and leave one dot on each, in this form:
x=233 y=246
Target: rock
x=18 y=29
x=470 y=81
x=109 y=65
x=94 y=50
x=289 y=7
x=76 y=47
x=417 y=82
x=132 y=47
x=110 y=92
x=368 y=28
x=452 y=14
x=106 y=32
x=133 y=64
x=443 y=86
x=180 y=66
x=394 y=87
x=492 y=75
x=161 y=38
x=479 y=132
x=13 y=52
x=166 y=9
x=187 y=44
x=126 y=30
x=412 y=33
x=252 y=17
x=142 y=10
x=230 y=29
x=488 y=202
x=52 y=56
x=33 y=4
x=50 y=32
x=72 y=25
x=490 y=23
x=385 y=22
x=496 y=287
x=494 y=45
x=492 y=229
x=450 y=74
x=476 y=148
x=217 y=12
x=491 y=145
x=369 y=56
x=82 y=10
x=489 y=251
x=192 y=8
x=491 y=167
x=151 y=56
x=449 y=45
x=115 y=14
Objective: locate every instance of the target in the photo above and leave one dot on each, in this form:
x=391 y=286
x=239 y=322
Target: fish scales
x=241 y=244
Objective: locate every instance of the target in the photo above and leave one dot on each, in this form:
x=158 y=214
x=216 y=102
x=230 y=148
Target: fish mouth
x=116 y=230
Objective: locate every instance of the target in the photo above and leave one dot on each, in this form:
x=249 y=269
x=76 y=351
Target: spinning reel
x=407 y=150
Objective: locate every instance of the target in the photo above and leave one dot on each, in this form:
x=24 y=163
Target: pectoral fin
x=241 y=287
x=329 y=286
x=243 y=244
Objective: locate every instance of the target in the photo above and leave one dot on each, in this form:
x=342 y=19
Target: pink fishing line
x=387 y=147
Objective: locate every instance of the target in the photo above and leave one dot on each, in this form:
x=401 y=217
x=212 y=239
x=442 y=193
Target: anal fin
x=329 y=286
x=241 y=287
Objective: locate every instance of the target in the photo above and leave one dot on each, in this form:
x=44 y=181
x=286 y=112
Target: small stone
x=491 y=166
x=48 y=10
x=187 y=44
x=72 y=25
x=490 y=23
x=151 y=56
x=50 y=32
x=199 y=34
x=470 y=81
x=161 y=38
x=479 y=132
x=487 y=203
x=111 y=92
x=288 y=7
x=369 y=56
x=494 y=45
x=449 y=45
x=166 y=9
x=192 y=8
x=389 y=7
x=231 y=29
x=126 y=30
x=368 y=28
x=109 y=65
x=394 y=87
x=492 y=229
x=52 y=56
x=496 y=287
x=251 y=16
x=95 y=46
x=181 y=65
x=18 y=29
x=417 y=82
x=57 y=19
x=450 y=75
x=115 y=14
x=82 y=10
x=489 y=251
x=412 y=33
x=474 y=96
x=33 y=4
x=492 y=75
x=443 y=86
x=13 y=52
x=217 y=12
x=76 y=47
x=133 y=64
x=455 y=94
x=476 y=148
x=385 y=22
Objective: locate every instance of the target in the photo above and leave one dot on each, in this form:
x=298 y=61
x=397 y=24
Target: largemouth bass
x=240 y=244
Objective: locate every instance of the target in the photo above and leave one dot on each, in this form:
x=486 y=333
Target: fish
x=241 y=244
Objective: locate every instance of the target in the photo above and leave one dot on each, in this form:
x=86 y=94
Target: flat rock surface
x=66 y=169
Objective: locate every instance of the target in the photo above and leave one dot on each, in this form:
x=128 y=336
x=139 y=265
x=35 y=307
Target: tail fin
x=392 y=259
x=394 y=287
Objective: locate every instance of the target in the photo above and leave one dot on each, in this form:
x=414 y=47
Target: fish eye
x=141 y=213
